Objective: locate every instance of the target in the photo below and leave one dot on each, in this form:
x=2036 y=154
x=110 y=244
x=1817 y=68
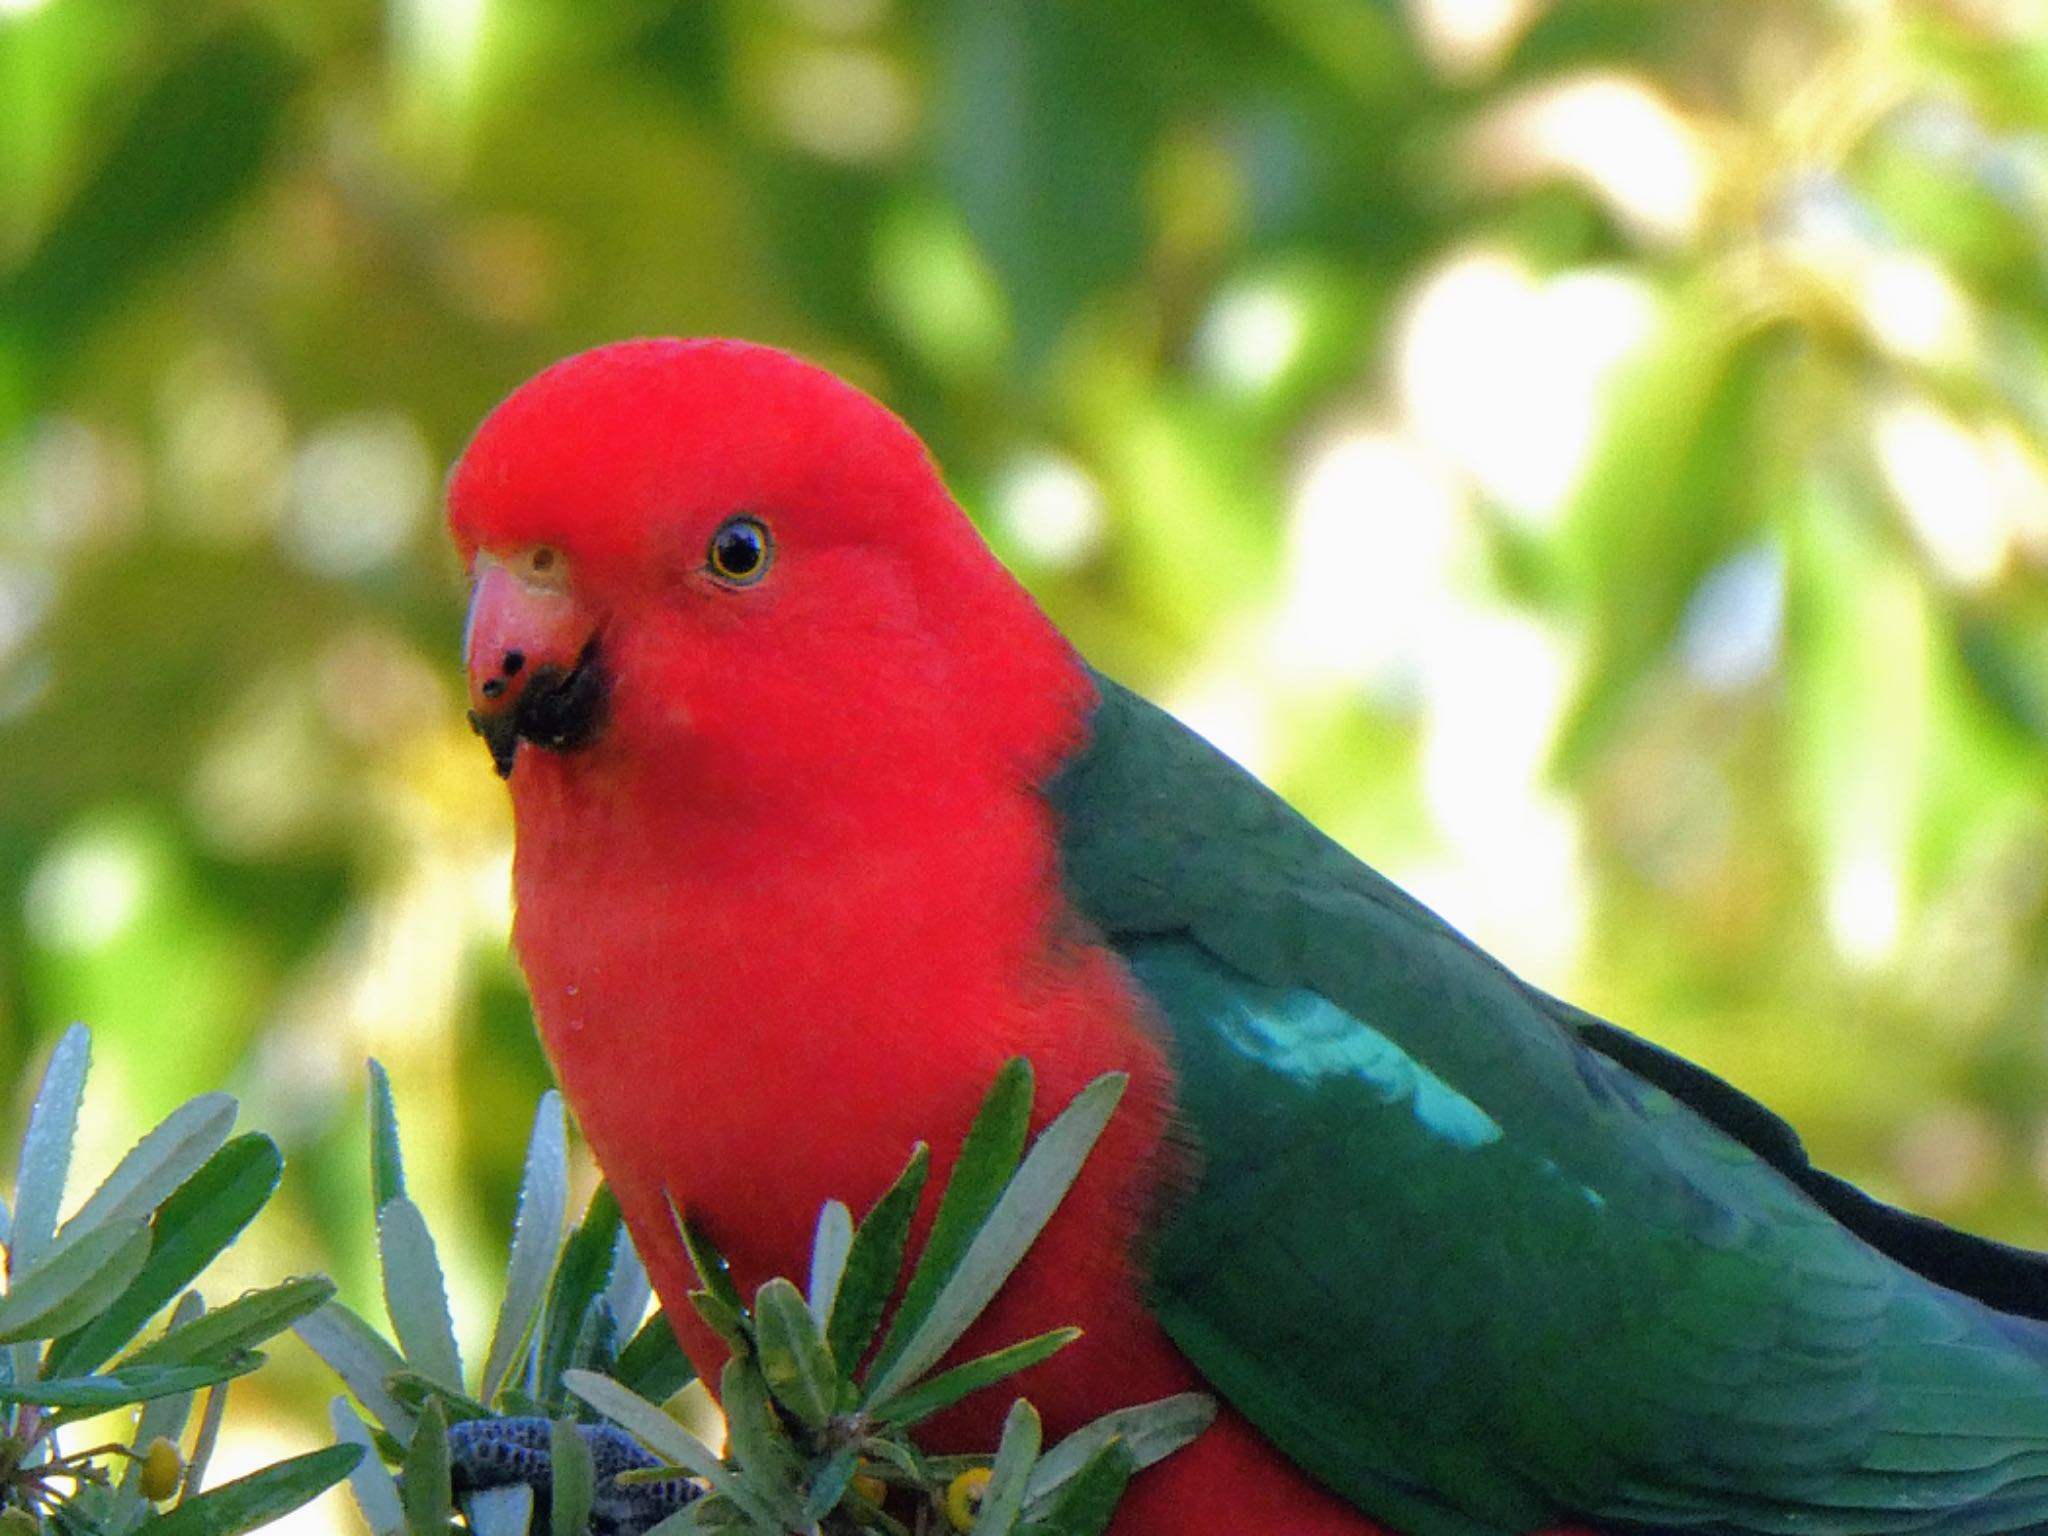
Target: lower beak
x=534 y=670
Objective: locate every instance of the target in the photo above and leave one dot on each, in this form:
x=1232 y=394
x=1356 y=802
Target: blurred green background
x=1592 y=455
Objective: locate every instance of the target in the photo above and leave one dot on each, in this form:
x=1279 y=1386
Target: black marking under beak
x=563 y=711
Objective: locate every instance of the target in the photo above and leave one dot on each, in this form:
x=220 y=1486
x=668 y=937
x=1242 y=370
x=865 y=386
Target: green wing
x=1480 y=1276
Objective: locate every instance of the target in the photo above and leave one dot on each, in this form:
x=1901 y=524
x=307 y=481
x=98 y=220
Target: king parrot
x=819 y=821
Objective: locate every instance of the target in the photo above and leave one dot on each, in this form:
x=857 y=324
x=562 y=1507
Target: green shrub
x=79 y=1297
x=821 y=1399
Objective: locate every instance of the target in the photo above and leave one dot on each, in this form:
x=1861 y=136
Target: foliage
x=818 y=1397
x=80 y=1294
x=1589 y=454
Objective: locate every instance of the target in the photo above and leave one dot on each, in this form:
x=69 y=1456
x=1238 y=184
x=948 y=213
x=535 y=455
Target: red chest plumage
x=751 y=1043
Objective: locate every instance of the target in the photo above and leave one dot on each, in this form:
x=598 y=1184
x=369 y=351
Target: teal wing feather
x=1481 y=1276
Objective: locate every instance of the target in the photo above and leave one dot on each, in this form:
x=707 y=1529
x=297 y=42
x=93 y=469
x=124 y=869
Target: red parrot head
x=713 y=570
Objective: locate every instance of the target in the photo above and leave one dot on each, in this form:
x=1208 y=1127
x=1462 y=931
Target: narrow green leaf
x=164 y=1159
x=506 y=1511
x=714 y=1515
x=898 y=1454
x=829 y=1246
x=362 y=1358
x=537 y=1237
x=988 y=1159
x=256 y=1500
x=580 y=1276
x=415 y=1295
x=875 y=1261
x=45 y=1162
x=722 y=1320
x=371 y=1481
x=1150 y=1432
x=190 y=1230
x=1083 y=1503
x=575 y=1480
x=1003 y=1499
x=116 y=1389
x=654 y=1364
x=427 y=1490
x=830 y=1482
x=596 y=1347
x=415 y=1391
x=74 y=1281
x=794 y=1360
x=387 y=1160
x=1012 y=1226
x=769 y=1465
x=243 y=1323
x=663 y=1436
x=948 y=1387
x=712 y=1271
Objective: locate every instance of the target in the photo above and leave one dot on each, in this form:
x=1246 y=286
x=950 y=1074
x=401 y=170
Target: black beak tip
x=501 y=735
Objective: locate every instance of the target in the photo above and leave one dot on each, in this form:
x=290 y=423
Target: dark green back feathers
x=1482 y=1262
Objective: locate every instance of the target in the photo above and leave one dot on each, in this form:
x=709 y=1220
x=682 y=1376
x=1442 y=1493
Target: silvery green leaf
x=794 y=1360
x=537 y=1234
x=506 y=1511
x=188 y=1231
x=73 y=1281
x=829 y=1246
x=45 y=1161
x=415 y=1295
x=362 y=1358
x=629 y=1290
x=1150 y=1431
x=662 y=1435
x=208 y=1437
x=574 y=1479
x=158 y=1164
x=1003 y=1499
x=375 y=1490
x=1014 y=1223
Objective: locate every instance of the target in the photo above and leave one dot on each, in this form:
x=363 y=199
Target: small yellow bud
x=162 y=1466
x=963 y=1497
x=870 y=1487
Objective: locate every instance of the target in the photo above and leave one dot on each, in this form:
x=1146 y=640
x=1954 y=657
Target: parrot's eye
x=740 y=551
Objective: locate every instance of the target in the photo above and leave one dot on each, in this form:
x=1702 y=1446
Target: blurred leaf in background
x=1592 y=456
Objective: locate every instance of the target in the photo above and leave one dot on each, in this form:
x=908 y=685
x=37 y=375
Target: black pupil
x=737 y=550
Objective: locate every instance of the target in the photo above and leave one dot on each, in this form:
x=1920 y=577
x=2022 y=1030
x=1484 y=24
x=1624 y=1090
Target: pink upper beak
x=528 y=648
